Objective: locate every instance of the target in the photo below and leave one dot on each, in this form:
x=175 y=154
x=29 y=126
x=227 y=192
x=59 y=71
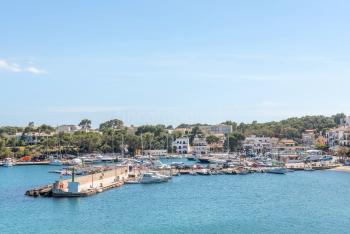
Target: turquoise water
x=299 y=202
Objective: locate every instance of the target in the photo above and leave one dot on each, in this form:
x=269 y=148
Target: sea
x=298 y=202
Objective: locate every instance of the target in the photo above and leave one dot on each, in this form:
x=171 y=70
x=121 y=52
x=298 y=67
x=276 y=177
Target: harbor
x=87 y=179
x=222 y=200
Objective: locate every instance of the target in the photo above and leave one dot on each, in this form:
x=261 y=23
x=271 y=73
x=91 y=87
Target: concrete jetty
x=84 y=185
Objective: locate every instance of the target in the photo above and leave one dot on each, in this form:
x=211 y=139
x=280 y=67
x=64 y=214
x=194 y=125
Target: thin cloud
x=35 y=70
x=7 y=66
x=16 y=68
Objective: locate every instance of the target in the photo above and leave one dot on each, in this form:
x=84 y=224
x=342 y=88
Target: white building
x=67 y=128
x=259 y=144
x=339 y=136
x=182 y=145
x=31 y=137
x=217 y=129
x=200 y=146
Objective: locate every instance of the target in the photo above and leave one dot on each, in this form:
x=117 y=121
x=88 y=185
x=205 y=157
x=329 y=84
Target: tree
x=111 y=124
x=338 y=117
x=45 y=128
x=235 y=141
x=342 y=152
x=212 y=139
x=196 y=131
x=321 y=143
x=85 y=124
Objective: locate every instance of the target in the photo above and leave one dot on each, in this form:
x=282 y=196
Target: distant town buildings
x=308 y=137
x=217 y=129
x=31 y=137
x=259 y=144
x=182 y=145
x=339 y=136
x=67 y=128
x=200 y=146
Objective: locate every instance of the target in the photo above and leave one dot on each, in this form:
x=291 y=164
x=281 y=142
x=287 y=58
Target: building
x=346 y=121
x=287 y=143
x=182 y=145
x=67 y=128
x=219 y=146
x=308 y=137
x=200 y=146
x=217 y=129
x=31 y=137
x=259 y=144
x=339 y=136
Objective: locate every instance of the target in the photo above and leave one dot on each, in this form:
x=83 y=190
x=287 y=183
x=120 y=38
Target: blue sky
x=161 y=61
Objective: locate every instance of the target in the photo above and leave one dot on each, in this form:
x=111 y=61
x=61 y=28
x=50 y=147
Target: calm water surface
x=300 y=202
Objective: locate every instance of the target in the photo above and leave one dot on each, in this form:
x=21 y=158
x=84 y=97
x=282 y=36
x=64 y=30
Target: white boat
x=56 y=162
x=75 y=161
x=106 y=158
x=153 y=177
x=8 y=162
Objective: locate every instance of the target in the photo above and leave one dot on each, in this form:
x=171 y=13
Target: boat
x=56 y=162
x=278 y=170
x=8 y=162
x=203 y=172
x=75 y=161
x=191 y=157
x=308 y=168
x=153 y=177
x=204 y=159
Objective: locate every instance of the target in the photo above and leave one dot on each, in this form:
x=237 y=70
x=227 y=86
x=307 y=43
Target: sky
x=169 y=62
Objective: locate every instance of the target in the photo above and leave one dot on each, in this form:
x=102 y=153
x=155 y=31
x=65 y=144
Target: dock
x=83 y=186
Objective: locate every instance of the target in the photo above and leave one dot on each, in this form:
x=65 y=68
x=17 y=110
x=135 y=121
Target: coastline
x=341 y=168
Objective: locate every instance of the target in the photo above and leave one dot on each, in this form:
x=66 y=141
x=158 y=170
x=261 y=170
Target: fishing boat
x=278 y=170
x=153 y=177
x=8 y=162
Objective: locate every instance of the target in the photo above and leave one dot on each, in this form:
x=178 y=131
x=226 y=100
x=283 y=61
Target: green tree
x=85 y=124
x=235 y=141
x=338 y=117
x=212 y=139
x=111 y=124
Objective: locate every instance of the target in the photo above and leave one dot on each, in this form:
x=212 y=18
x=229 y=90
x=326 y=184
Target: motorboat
x=277 y=170
x=153 y=177
x=191 y=157
x=204 y=159
x=76 y=161
x=56 y=162
x=8 y=162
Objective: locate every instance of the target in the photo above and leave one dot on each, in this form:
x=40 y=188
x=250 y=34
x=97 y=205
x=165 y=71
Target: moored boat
x=153 y=177
x=8 y=162
x=277 y=170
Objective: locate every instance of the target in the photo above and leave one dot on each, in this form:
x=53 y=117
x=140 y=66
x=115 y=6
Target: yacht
x=8 y=162
x=153 y=177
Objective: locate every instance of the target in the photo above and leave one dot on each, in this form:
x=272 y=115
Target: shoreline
x=341 y=169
